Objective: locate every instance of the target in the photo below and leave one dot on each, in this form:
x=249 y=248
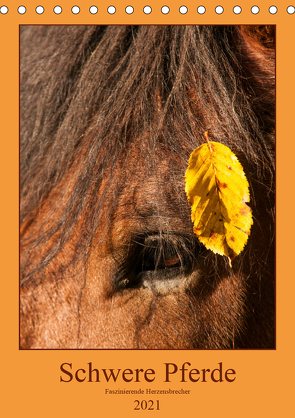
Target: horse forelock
x=115 y=124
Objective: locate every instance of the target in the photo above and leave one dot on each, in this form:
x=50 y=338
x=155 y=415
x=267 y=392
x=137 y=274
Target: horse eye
x=173 y=255
x=172 y=262
x=159 y=256
x=154 y=263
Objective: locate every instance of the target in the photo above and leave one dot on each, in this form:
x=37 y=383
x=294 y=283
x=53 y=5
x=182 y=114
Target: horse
x=109 y=116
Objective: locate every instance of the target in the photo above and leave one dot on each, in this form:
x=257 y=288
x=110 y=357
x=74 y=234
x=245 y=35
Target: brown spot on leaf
x=244 y=210
x=220 y=185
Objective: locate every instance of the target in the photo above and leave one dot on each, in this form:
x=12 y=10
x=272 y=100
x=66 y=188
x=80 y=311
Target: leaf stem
x=208 y=140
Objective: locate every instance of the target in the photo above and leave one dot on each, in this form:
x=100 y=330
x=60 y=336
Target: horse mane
x=90 y=94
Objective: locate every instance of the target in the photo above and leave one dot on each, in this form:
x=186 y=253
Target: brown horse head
x=109 y=117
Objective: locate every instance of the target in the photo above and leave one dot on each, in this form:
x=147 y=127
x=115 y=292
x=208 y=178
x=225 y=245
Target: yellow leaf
x=217 y=190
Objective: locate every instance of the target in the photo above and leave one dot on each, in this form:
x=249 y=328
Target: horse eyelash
x=151 y=252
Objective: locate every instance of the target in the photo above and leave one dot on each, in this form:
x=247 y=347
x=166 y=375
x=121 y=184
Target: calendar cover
x=147 y=233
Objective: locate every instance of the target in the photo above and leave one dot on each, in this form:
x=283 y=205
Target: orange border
x=263 y=386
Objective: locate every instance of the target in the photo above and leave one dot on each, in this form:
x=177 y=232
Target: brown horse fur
x=109 y=117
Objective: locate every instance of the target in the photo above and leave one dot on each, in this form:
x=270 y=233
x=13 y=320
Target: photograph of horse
x=109 y=116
